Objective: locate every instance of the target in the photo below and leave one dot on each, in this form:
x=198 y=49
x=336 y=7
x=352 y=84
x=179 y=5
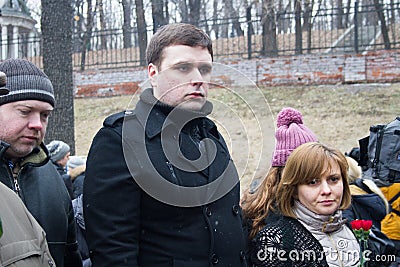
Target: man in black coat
x=161 y=188
x=24 y=159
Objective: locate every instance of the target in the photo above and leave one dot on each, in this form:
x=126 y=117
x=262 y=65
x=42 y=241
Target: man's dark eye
x=24 y=111
x=205 y=70
x=183 y=67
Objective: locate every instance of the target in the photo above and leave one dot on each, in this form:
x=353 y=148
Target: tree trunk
x=194 y=12
x=56 y=25
x=157 y=7
x=384 y=29
x=347 y=20
x=235 y=22
x=225 y=22
x=103 y=25
x=298 y=32
x=307 y=15
x=307 y=24
x=183 y=11
x=142 y=31
x=340 y=14
x=88 y=34
x=166 y=12
x=126 y=26
x=206 y=19
x=269 y=43
x=79 y=32
x=215 y=25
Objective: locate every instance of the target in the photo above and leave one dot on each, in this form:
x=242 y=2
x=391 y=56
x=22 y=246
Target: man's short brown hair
x=176 y=34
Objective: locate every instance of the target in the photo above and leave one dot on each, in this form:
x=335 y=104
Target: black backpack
x=380 y=153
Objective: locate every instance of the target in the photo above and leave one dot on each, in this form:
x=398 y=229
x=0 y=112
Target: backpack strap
x=378 y=146
x=393 y=199
x=359 y=183
x=396 y=212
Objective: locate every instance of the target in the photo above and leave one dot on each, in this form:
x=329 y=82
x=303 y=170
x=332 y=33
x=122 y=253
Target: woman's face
x=324 y=195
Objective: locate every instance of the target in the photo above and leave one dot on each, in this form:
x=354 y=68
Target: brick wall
x=372 y=67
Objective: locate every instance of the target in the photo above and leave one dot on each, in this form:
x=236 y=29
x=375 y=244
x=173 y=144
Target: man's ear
x=152 y=72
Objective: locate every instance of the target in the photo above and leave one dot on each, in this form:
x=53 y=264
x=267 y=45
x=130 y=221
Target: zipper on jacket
x=16 y=185
x=15 y=172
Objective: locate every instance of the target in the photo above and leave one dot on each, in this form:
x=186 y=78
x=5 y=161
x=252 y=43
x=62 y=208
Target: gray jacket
x=23 y=242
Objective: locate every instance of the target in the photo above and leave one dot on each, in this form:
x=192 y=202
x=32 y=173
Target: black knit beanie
x=25 y=81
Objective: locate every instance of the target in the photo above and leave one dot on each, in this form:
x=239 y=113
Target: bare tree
x=79 y=30
x=103 y=24
x=183 y=10
x=194 y=12
x=159 y=17
x=384 y=29
x=347 y=16
x=224 y=26
x=215 y=25
x=88 y=33
x=56 y=24
x=205 y=19
x=142 y=31
x=126 y=26
x=268 y=21
x=307 y=24
x=307 y=15
x=392 y=19
x=282 y=17
x=340 y=14
x=233 y=17
x=298 y=31
x=367 y=15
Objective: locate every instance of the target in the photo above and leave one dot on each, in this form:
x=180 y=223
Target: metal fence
x=356 y=30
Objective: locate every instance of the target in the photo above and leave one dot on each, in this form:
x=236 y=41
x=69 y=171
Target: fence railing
x=356 y=30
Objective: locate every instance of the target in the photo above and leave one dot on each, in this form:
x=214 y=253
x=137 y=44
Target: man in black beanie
x=24 y=159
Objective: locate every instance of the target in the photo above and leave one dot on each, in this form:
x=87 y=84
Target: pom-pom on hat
x=57 y=150
x=290 y=134
x=25 y=81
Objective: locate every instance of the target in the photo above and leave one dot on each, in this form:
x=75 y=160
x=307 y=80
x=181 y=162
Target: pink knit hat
x=290 y=134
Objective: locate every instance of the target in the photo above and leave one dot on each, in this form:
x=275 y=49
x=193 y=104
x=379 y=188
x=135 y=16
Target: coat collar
x=39 y=156
x=156 y=116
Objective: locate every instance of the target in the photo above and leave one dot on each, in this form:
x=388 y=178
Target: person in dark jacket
x=307 y=226
x=59 y=154
x=161 y=188
x=24 y=159
x=22 y=240
x=76 y=169
x=368 y=201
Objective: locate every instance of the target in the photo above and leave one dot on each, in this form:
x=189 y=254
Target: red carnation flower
x=361 y=224
x=361 y=229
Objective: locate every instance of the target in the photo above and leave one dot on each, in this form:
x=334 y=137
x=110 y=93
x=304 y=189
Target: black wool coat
x=134 y=218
